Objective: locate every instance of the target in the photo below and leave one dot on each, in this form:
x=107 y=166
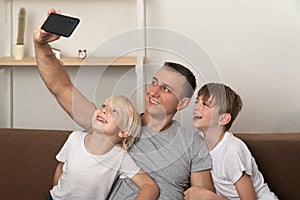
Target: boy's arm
x=244 y=187
x=148 y=188
x=57 y=173
x=58 y=81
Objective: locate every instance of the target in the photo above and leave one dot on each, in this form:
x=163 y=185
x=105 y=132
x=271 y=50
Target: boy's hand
x=42 y=37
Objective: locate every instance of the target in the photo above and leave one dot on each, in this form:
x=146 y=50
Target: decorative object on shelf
x=19 y=47
x=56 y=52
x=82 y=54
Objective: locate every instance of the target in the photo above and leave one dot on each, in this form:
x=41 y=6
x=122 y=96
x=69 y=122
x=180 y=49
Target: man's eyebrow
x=154 y=78
x=163 y=84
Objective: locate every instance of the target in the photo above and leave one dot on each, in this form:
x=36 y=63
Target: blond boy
x=89 y=163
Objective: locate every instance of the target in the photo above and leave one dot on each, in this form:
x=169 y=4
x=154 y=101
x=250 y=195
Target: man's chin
x=157 y=113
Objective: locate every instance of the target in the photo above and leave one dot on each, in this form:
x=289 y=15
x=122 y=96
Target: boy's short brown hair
x=224 y=98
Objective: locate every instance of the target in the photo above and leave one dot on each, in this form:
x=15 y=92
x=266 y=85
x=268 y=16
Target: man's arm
x=243 y=186
x=202 y=187
x=202 y=179
x=148 y=188
x=58 y=81
x=199 y=193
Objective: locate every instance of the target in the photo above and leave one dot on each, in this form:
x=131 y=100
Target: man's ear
x=183 y=103
x=124 y=134
x=224 y=119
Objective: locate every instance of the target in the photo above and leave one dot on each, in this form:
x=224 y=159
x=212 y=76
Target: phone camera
x=71 y=21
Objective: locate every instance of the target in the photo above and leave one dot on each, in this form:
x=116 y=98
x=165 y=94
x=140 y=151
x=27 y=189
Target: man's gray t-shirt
x=168 y=157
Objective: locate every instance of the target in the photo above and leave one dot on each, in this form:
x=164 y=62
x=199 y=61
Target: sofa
x=27 y=161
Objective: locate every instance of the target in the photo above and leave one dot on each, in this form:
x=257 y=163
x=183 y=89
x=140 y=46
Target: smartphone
x=60 y=24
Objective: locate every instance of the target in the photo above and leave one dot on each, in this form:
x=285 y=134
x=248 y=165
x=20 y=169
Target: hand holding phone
x=60 y=24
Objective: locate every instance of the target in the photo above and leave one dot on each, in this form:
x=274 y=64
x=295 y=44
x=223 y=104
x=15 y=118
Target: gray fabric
x=168 y=157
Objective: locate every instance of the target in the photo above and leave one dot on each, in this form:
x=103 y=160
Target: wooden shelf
x=74 y=61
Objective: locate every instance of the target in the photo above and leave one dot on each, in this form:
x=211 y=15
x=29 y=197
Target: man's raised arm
x=58 y=81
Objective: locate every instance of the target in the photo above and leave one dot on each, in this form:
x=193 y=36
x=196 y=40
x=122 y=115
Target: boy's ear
x=124 y=134
x=224 y=119
x=183 y=103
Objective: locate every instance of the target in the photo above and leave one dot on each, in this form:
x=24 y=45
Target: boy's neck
x=213 y=137
x=99 y=143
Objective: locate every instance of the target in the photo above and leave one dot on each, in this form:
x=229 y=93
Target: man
x=173 y=156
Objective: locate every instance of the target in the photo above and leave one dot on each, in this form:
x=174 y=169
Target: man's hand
x=200 y=193
x=41 y=37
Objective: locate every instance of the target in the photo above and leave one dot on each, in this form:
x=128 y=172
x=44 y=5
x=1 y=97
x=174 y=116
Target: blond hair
x=131 y=120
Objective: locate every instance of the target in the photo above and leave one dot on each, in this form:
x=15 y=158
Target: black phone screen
x=60 y=24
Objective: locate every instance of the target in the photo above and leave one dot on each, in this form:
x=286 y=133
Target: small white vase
x=19 y=51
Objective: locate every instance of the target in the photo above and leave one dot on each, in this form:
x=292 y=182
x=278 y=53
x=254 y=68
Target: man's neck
x=157 y=124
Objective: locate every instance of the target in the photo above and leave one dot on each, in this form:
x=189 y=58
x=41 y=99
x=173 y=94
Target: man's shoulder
x=189 y=136
x=188 y=131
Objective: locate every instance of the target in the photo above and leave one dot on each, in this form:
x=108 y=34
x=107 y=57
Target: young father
x=173 y=156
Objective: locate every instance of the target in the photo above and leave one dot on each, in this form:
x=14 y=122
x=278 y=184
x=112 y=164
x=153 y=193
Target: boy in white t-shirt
x=234 y=170
x=89 y=163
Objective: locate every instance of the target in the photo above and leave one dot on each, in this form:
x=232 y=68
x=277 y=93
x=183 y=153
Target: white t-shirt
x=88 y=176
x=230 y=158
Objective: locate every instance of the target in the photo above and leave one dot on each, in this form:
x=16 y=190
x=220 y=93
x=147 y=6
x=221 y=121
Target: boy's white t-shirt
x=87 y=176
x=230 y=158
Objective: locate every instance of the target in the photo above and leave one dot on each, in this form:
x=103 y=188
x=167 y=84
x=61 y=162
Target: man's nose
x=155 y=89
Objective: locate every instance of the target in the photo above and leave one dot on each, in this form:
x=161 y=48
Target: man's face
x=164 y=92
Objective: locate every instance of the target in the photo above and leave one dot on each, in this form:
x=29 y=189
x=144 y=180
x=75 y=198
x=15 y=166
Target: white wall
x=2 y=22
x=100 y=22
x=253 y=46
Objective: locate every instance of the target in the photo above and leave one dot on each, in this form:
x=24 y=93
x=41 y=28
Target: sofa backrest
x=27 y=162
x=278 y=158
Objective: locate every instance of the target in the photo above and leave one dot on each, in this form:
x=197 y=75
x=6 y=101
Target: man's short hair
x=189 y=76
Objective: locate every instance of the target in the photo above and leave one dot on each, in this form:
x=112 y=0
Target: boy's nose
x=197 y=106
x=103 y=110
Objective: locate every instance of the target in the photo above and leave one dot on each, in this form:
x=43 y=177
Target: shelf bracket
x=140 y=51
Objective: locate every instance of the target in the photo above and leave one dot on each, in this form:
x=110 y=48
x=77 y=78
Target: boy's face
x=205 y=114
x=162 y=96
x=107 y=118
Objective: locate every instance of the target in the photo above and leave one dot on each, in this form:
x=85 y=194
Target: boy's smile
x=205 y=115
x=106 y=118
x=101 y=119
